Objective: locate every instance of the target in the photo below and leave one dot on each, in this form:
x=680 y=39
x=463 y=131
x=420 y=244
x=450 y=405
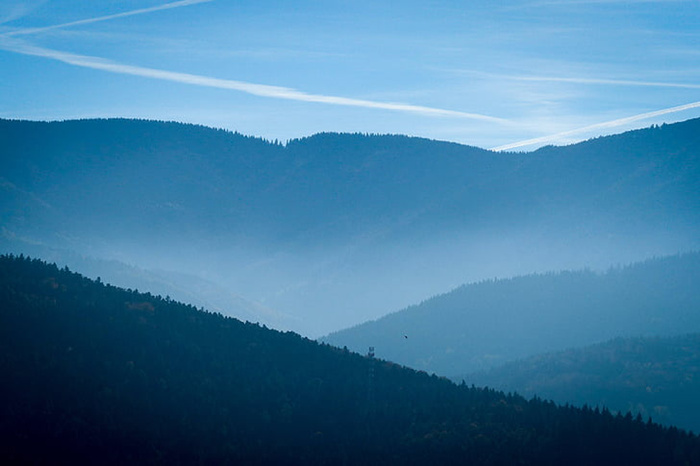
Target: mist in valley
x=331 y=231
x=350 y=232
x=329 y=288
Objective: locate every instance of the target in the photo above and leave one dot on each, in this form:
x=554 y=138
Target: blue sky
x=513 y=74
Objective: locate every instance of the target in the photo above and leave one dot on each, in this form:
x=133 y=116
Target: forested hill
x=653 y=376
x=338 y=229
x=482 y=325
x=216 y=185
x=152 y=175
x=101 y=375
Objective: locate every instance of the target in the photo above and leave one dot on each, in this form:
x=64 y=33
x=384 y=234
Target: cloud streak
x=598 y=126
x=261 y=90
x=166 y=6
x=602 y=2
x=614 y=82
x=579 y=80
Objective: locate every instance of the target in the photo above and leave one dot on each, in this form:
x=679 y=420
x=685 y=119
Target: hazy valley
x=656 y=377
x=510 y=270
x=102 y=374
x=479 y=326
x=350 y=233
x=334 y=230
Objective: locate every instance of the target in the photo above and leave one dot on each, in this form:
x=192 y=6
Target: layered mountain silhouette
x=181 y=286
x=98 y=374
x=651 y=376
x=336 y=229
x=480 y=326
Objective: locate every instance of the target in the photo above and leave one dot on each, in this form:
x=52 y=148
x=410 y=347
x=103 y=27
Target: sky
x=509 y=75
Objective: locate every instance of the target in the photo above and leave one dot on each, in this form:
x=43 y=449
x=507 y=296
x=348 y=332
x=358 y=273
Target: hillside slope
x=483 y=325
x=103 y=375
x=336 y=229
x=658 y=377
x=180 y=286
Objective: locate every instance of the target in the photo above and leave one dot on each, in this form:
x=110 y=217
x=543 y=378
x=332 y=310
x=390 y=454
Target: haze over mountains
x=336 y=229
x=483 y=325
x=330 y=232
x=102 y=375
x=652 y=376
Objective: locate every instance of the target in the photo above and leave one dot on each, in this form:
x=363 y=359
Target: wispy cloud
x=614 y=82
x=575 y=3
x=166 y=6
x=596 y=2
x=261 y=90
x=579 y=80
x=598 y=126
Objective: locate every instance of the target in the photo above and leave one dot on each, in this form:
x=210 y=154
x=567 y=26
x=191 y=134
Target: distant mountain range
x=181 y=286
x=483 y=325
x=336 y=229
x=94 y=374
x=325 y=233
x=652 y=376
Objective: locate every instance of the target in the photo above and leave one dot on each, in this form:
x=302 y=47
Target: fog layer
x=329 y=231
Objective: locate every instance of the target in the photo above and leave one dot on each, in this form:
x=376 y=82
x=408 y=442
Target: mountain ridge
x=107 y=375
x=485 y=324
x=652 y=376
x=360 y=224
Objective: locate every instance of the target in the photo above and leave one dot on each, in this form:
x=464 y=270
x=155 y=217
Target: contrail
x=605 y=125
x=166 y=6
x=587 y=2
x=261 y=90
x=580 y=80
x=614 y=82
